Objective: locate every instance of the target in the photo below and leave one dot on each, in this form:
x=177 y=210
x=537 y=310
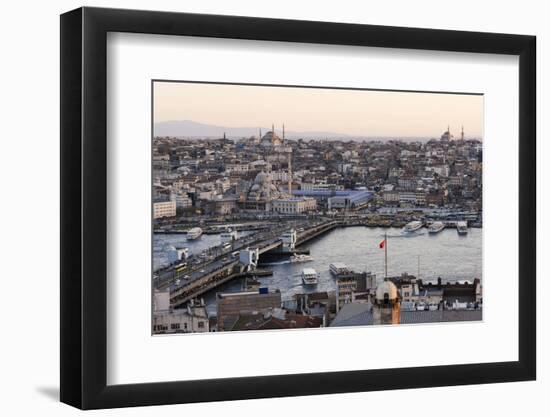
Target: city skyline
x=360 y=113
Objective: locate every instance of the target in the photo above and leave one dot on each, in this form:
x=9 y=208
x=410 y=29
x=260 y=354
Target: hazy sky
x=353 y=112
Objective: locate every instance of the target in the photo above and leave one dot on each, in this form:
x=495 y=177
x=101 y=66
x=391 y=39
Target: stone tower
x=386 y=307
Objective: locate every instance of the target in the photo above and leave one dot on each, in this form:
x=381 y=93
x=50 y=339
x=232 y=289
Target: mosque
x=264 y=194
x=271 y=139
x=447 y=136
x=261 y=193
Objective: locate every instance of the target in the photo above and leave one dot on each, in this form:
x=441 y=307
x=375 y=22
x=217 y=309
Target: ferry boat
x=228 y=237
x=412 y=226
x=301 y=258
x=310 y=276
x=436 y=227
x=194 y=233
x=462 y=228
x=339 y=268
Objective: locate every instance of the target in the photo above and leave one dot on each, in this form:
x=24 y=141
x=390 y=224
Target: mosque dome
x=262 y=178
x=263 y=188
x=386 y=290
x=272 y=139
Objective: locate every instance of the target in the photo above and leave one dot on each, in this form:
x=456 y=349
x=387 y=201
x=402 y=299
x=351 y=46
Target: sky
x=351 y=112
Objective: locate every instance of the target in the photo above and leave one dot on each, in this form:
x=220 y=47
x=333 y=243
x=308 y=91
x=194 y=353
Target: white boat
x=194 y=233
x=436 y=227
x=301 y=258
x=310 y=276
x=462 y=228
x=421 y=306
x=228 y=237
x=412 y=226
x=339 y=268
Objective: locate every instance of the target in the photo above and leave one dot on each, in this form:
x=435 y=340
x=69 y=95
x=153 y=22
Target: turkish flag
x=382 y=244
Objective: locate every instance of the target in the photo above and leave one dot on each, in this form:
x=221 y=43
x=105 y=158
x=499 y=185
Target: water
x=180 y=240
x=446 y=255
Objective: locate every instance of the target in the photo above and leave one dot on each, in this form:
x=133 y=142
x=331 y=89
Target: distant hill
x=189 y=128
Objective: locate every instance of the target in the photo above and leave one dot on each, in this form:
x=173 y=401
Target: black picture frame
x=84 y=207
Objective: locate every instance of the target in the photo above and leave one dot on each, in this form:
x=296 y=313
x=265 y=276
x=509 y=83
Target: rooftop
x=357 y=314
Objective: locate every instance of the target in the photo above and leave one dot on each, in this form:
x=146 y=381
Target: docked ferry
x=338 y=269
x=229 y=236
x=436 y=227
x=301 y=258
x=310 y=276
x=462 y=228
x=194 y=233
x=412 y=226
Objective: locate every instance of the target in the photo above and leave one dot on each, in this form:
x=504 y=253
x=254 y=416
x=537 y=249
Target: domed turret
x=386 y=292
x=387 y=304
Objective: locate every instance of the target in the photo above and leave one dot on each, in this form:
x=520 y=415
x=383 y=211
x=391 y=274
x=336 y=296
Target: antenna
x=386 y=254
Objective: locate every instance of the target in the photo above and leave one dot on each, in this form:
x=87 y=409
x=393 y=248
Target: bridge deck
x=222 y=270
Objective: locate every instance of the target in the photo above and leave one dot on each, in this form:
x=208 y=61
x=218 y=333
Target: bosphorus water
x=446 y=255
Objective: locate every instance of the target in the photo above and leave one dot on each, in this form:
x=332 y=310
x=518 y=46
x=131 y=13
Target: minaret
x=283 y=133
x=260 y=137
x=462 y=133
x=290 y=171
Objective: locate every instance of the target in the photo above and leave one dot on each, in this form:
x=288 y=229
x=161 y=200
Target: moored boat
x=412 y=226
x=462 y=228
x=338 y=269
x=194 y=233
x=301 y=258
x=310 y=276
x=436 y=227
x=228 y=237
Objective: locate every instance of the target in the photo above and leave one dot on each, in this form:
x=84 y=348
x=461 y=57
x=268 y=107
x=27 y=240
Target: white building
x=193 y=319
x=161 y=300
x=391 y=196
x=320 y=186
x=417 y=197
x=241 y=168
x=294 y=205
x=181 y=200
x=164 y=209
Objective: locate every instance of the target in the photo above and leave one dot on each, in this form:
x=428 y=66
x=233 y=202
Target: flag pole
x=386 y=253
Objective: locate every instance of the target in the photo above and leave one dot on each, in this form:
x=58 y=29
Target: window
x=201 y=324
